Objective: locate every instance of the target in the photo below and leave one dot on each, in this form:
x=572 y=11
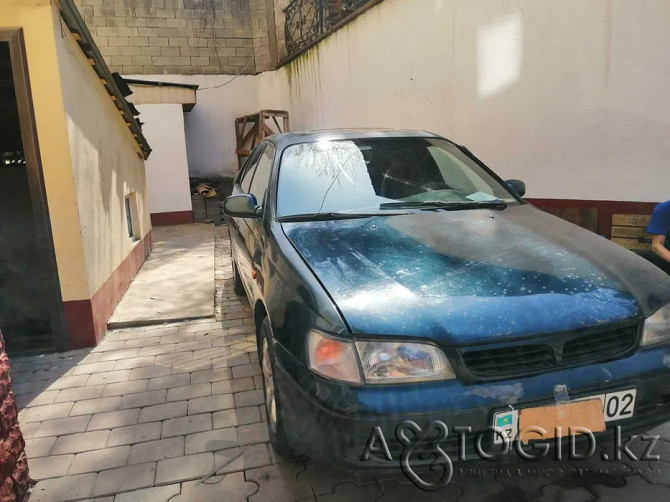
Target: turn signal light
x=333 y=358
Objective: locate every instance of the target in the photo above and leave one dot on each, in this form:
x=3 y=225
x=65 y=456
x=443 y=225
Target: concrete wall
x=180 y=36
x=568 y=96
x=167 y=167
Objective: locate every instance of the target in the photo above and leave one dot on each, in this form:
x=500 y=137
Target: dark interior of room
x=24 y=312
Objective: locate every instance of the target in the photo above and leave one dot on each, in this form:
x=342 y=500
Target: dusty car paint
x=465 y=277
x=440 y=276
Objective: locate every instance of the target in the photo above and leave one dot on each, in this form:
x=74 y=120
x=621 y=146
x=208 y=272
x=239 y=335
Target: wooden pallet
x=630 y=231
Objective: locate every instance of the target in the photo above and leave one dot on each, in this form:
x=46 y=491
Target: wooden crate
x=630 y=231
x=252 y=129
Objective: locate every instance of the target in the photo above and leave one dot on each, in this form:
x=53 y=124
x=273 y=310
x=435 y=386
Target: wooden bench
x=630 y=231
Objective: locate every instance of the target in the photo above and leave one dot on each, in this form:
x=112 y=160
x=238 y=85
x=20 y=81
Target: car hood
x=461 y=277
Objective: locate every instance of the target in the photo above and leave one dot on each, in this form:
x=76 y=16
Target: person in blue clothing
x=659 y=228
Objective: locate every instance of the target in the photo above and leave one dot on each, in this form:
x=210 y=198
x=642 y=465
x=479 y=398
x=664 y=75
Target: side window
x=259 y=185
x=131 y=216
x=248 y=174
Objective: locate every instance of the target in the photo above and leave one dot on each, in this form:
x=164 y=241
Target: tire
x=275 y=426
x=238 y=287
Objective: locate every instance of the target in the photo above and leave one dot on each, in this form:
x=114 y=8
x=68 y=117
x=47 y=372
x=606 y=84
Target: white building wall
x=167 y=166
x=567 y=95
x=210 y=126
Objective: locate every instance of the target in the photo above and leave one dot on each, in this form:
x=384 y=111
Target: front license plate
x=615 y=406
x=507 y=422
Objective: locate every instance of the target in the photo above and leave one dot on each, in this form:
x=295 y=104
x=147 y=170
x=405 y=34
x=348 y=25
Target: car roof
x=293 y=138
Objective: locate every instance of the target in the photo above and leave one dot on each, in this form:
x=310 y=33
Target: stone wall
x=14 y=478
x=182 y=37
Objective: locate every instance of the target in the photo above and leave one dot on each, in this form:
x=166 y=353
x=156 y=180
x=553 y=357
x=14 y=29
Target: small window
x=133 y=234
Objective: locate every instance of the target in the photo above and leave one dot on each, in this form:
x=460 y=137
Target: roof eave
x=77 y=26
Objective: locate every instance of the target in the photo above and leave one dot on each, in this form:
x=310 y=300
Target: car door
x=237 y=227
x=255 y=236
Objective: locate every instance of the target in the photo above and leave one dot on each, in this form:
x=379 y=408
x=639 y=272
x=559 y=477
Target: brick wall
x=183 y=37
x=14 y=478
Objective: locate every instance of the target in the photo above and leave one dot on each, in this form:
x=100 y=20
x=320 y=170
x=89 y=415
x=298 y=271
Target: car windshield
x=378 y=175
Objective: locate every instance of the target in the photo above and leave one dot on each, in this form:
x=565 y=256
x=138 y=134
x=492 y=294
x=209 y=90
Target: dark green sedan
x=394 y=278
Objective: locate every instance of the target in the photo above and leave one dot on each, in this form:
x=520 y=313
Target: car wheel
x=238 y=288
x=273 y=409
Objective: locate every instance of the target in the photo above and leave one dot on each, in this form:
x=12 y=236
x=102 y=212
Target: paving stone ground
x=175 y=282
x=174 y=412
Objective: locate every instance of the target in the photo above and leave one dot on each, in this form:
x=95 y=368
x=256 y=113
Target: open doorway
x=30 y=301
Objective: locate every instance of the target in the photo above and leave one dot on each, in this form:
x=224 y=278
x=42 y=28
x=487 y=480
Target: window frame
x=249 y=166
x=130 y=209
x=268 y=146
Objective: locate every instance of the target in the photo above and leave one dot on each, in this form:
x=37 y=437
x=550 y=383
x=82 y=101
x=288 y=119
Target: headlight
x=391 y=362
x=380 y=361
x=657 y=327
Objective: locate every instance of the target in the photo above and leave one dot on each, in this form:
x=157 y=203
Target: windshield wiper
x=325 y=216
x=449 y=206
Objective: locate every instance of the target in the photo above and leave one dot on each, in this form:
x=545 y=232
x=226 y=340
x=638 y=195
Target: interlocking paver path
x=151 y=412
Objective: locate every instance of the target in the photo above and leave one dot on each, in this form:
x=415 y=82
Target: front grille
x=562 y=350
x=599 y=346
x=509 y=360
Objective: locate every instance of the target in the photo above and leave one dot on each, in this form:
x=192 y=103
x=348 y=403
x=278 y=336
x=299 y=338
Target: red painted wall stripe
x=173 y=218
x=86 y=320
x=606 y=208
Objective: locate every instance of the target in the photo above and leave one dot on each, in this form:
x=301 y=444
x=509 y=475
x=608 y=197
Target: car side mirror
x=241 y=206
x=518 y=186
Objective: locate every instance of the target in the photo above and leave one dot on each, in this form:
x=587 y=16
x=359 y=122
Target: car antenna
x=435 y=108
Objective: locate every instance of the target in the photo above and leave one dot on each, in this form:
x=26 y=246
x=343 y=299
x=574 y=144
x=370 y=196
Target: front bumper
x=334 y=422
